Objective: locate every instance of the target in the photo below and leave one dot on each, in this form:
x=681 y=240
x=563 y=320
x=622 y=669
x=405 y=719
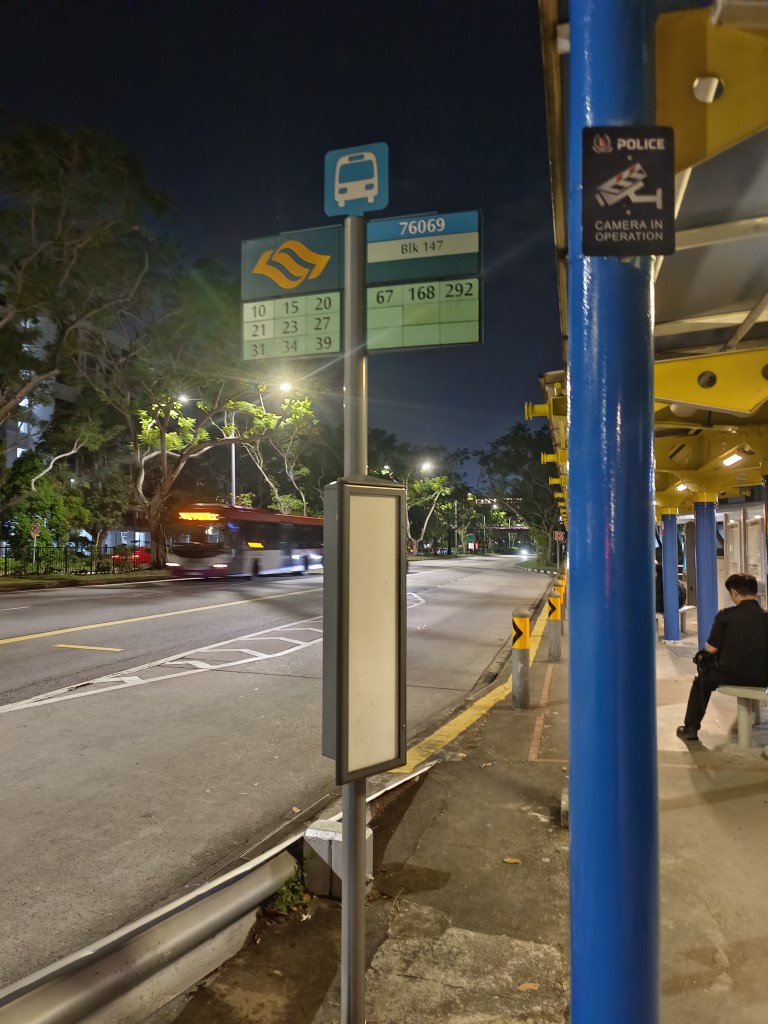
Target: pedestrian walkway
x=468 y=916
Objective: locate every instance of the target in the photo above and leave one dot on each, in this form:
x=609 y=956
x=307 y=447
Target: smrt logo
x=291 y=264
x=601 y=144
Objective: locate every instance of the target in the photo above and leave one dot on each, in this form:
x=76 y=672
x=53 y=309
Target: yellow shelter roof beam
x=729 y=381
x=689 y=46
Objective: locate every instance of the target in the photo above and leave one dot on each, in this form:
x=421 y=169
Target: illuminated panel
x=199 y=517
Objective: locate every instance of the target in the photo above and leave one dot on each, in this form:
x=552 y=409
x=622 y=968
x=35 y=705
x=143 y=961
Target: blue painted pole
x=669 y=575
x=613 y=784
x=706 y=565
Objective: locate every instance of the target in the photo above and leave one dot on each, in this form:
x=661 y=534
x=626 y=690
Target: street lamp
x=425 y=467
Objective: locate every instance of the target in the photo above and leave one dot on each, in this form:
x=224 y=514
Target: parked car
x=140 y=558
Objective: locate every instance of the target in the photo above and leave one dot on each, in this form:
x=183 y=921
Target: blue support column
x=613 y=783
x=669 y=574
x=706 y=564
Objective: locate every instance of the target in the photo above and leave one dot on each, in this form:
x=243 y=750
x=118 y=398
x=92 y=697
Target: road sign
x=521 y=632
x=424 y=287
x=304 y=325
x=357 y=180
x=559 y=536
x=423 y=247
x=628 y=199
x=423 y=280
x=291 y=295
x=34 y=530
x=423 y=314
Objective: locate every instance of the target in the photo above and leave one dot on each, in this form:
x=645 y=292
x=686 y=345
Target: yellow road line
x=83 y=647
x=146 y=618
x=447 y=733
x=452 y=729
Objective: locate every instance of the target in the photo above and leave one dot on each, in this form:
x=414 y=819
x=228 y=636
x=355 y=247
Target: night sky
x=232 y=104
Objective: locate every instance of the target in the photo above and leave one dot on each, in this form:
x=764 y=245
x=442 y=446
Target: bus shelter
x=658 y=418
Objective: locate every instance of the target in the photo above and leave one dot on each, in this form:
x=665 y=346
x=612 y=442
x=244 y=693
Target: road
x=151 y=732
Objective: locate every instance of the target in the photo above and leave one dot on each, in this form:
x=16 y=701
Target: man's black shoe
x=687 y=734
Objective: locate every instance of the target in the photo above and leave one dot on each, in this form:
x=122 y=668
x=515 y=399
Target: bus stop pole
x=355 y=464
x=612 y=706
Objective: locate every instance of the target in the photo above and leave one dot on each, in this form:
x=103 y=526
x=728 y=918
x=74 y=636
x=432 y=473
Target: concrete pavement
x=468 y=917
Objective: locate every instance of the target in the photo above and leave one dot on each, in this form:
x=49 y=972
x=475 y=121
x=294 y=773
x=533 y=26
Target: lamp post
x=232 y=470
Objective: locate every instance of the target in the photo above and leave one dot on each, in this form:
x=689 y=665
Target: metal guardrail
x=131 y=974
x=135 y=971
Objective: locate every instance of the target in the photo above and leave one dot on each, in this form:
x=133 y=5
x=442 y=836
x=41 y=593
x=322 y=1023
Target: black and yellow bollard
x=521 y=655
x=553 y=624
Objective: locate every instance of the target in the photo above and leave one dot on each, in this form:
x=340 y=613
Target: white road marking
x=191 y=663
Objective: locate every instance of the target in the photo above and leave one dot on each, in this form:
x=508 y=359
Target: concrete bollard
x=521 y=655
x=553 y=624
x=561 y=587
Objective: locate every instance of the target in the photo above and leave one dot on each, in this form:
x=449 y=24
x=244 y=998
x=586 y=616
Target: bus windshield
x=362 y=171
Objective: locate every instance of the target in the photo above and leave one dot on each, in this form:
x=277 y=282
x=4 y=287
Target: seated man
x=738 y=645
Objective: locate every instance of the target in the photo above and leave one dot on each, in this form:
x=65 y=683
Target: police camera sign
x=628 y=195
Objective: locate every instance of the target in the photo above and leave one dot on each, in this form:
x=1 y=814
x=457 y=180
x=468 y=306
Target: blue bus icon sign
x=357 y=180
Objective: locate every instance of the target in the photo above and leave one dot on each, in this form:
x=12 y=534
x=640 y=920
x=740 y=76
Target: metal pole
x=232 y=471
x=613 y=787
x=669 y=575
x=706 y=564
x=355 y=464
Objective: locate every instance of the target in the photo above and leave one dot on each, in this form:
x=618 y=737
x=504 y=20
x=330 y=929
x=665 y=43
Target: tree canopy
x=74 y=250
x=135 y=355
x=519 y=482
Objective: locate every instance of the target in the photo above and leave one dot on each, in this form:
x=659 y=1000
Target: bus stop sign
x=357 y=180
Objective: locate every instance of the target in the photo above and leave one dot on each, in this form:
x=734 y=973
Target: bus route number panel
x=424 y=314
x=302 y=325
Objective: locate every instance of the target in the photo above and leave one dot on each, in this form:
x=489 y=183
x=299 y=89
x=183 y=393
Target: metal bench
x=683 y=616
x=750 y=699
x=683 y=620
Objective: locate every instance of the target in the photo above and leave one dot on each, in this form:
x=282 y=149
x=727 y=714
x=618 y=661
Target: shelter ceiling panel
x=726 y=277
x=730 y=186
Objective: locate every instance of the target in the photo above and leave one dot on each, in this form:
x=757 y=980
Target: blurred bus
x=208 y=541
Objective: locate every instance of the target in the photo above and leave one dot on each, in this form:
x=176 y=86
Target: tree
x=422 y=497
x=519 y=483
x=175 y=376
x=73 y=251
x=283 y=439
x=58 y=513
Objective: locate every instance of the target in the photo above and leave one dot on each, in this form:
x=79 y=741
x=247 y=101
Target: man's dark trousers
x=704 y=685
